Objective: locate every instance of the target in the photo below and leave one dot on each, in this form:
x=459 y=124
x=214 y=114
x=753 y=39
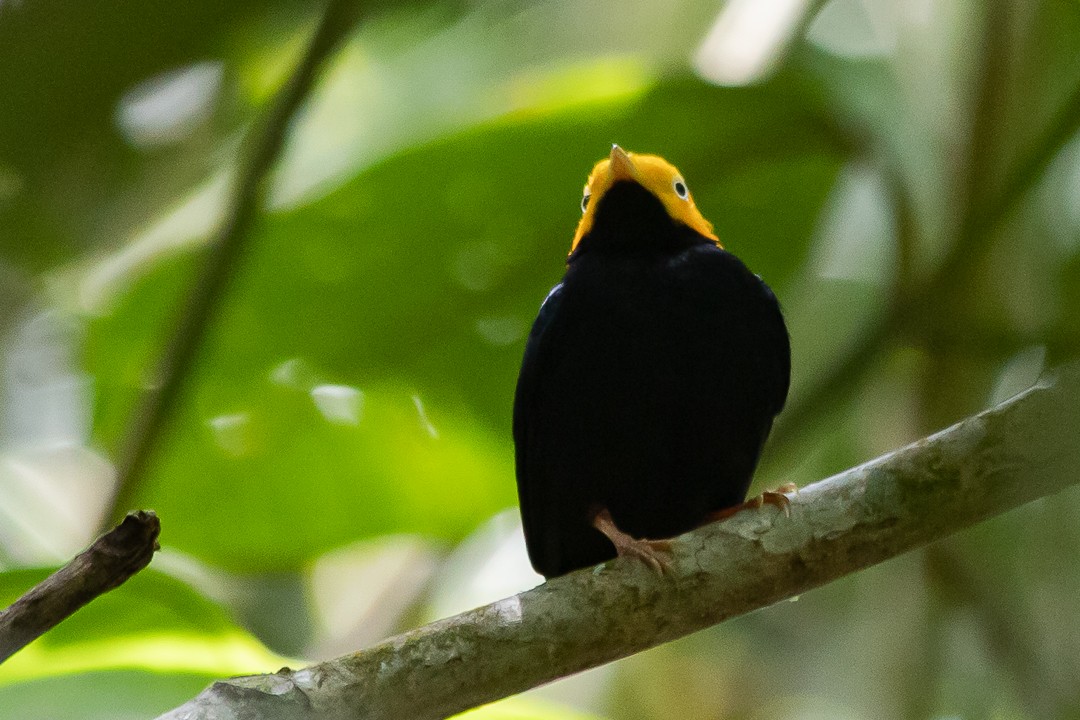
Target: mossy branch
x=1019 y=451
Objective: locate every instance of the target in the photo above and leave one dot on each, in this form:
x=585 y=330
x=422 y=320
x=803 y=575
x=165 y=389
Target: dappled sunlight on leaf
x=188 y=653
x=522 y=708
x=152 y=623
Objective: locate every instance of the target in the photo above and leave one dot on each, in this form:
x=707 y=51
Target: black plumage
x=649 y=384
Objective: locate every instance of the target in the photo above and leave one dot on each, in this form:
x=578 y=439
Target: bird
x=650 y=378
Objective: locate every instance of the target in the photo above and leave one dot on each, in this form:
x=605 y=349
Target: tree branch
x=107 y=564
x=1017 y=452
x=262 y=146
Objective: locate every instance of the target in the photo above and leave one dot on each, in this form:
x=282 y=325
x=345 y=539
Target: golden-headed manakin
x=650 y=379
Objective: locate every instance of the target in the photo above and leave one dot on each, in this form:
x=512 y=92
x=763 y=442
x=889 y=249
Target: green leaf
x=134 y=652
x=525 y=708
x=105 y=695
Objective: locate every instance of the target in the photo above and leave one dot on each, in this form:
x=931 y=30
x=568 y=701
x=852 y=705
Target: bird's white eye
x=585 y=199
x=680 y=189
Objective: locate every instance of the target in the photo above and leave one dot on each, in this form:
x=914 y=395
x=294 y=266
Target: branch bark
x=1021 y=450
x=107 y=564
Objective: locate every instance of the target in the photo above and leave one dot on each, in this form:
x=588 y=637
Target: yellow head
x=653 y=173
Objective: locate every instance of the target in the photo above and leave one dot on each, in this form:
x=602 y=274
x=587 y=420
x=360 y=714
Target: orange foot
x=777 y=497
x=654 y=553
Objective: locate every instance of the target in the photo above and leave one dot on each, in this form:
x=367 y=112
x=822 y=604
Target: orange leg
x=777 y=498
x=654 y=553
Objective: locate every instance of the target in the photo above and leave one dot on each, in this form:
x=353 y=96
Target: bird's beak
x=622 y=167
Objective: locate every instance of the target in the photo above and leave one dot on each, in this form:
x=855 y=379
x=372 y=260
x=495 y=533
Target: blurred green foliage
x=393 y=284
x=905 y=175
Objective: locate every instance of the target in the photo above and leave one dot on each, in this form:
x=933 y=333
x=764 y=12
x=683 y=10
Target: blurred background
x=339 y=468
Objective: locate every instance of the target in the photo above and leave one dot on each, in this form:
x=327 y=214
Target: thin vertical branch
x=262 y=146
x=1000 y=623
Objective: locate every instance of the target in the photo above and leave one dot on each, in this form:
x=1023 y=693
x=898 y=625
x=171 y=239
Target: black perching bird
x=650 y=379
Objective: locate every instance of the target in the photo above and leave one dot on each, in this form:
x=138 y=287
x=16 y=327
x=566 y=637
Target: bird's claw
x=777 y=498
x=656 y=554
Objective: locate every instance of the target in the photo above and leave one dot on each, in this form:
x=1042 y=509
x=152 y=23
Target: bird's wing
x=538 y=352
x=759 y=330
x=776 y=338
